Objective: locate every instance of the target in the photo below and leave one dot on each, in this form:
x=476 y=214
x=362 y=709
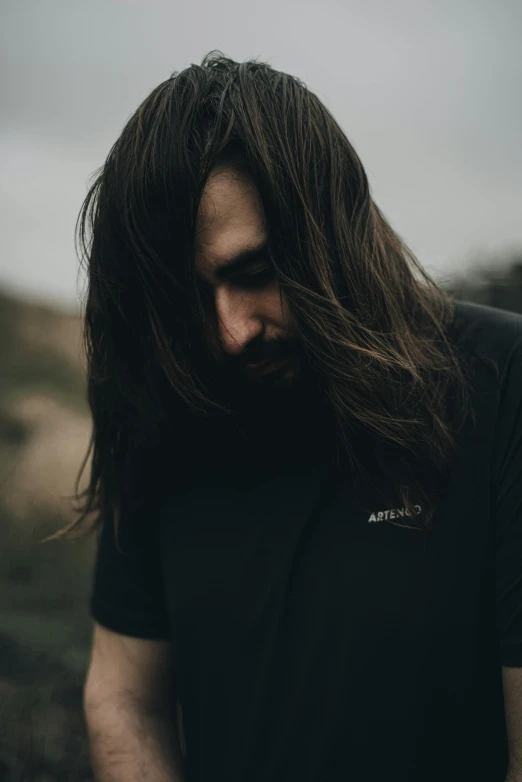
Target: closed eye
x=255 y=279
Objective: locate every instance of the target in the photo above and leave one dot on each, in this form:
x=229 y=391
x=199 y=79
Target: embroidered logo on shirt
x=393 y=513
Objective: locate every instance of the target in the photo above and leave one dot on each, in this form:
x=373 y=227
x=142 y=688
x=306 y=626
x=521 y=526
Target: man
x=307 y=463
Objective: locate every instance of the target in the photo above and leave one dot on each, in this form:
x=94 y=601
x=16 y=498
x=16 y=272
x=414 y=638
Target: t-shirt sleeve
x=127 y=593
x=507 y=510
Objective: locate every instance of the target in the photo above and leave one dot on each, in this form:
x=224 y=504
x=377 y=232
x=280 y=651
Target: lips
x=265 y=366
x=258 y=364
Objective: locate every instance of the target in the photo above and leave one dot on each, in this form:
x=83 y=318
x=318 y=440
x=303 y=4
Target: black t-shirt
x=318 y=641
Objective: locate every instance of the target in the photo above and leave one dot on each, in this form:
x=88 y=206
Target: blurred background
x=428 y=94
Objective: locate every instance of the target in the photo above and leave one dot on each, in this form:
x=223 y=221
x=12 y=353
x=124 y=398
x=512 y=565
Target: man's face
x=252 y=323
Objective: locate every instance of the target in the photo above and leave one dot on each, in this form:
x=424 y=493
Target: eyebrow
x=241 y=261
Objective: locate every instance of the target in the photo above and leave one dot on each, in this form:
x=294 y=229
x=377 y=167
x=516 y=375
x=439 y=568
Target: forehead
x=230 y=217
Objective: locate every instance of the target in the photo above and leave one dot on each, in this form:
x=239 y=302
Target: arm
x=129 y=704
x=128 y=744
x=512 y=686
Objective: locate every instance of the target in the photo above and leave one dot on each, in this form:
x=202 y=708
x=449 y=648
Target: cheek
x=286 y=316
x=274 y=306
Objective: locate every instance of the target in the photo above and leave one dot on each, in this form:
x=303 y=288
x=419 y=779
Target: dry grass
x=44 y=589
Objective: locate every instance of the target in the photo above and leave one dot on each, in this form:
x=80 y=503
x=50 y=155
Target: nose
x=239 y=319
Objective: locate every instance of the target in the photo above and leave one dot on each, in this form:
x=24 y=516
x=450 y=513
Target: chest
x=239 y=553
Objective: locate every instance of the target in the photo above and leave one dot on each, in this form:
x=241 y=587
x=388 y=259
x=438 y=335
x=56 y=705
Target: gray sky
x=429 y=93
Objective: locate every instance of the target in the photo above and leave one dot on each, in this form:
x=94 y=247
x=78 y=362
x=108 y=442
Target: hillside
x=45 y=628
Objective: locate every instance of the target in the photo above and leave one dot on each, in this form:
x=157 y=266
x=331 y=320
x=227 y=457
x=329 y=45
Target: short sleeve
x=507 y=510
x=127 y=594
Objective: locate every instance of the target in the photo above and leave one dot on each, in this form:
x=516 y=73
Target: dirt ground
x=45 y=467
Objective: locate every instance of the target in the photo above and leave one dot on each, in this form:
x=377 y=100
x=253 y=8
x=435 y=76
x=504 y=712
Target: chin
x=288 y=376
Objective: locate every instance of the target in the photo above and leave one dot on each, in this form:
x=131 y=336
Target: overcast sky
x=428 y=92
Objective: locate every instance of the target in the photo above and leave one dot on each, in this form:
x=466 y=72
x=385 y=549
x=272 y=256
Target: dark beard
x=275 y=423
x=271 y=425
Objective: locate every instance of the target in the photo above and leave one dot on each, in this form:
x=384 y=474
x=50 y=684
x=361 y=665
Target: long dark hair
x=373 y=324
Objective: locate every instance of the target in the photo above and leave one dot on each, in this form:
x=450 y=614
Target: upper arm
x=507 y=516
x=127 y=670
x=508 y=554
x=512 y=686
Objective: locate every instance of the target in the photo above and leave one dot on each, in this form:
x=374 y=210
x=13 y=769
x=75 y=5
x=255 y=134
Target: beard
x=276 y=418
x=252 y=395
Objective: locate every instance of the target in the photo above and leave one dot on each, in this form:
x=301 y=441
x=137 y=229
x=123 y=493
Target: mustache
x=271 y=351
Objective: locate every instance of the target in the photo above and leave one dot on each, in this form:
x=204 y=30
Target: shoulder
x=488 y=335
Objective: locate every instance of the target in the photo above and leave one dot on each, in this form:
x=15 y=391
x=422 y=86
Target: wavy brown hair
x=373 y=324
